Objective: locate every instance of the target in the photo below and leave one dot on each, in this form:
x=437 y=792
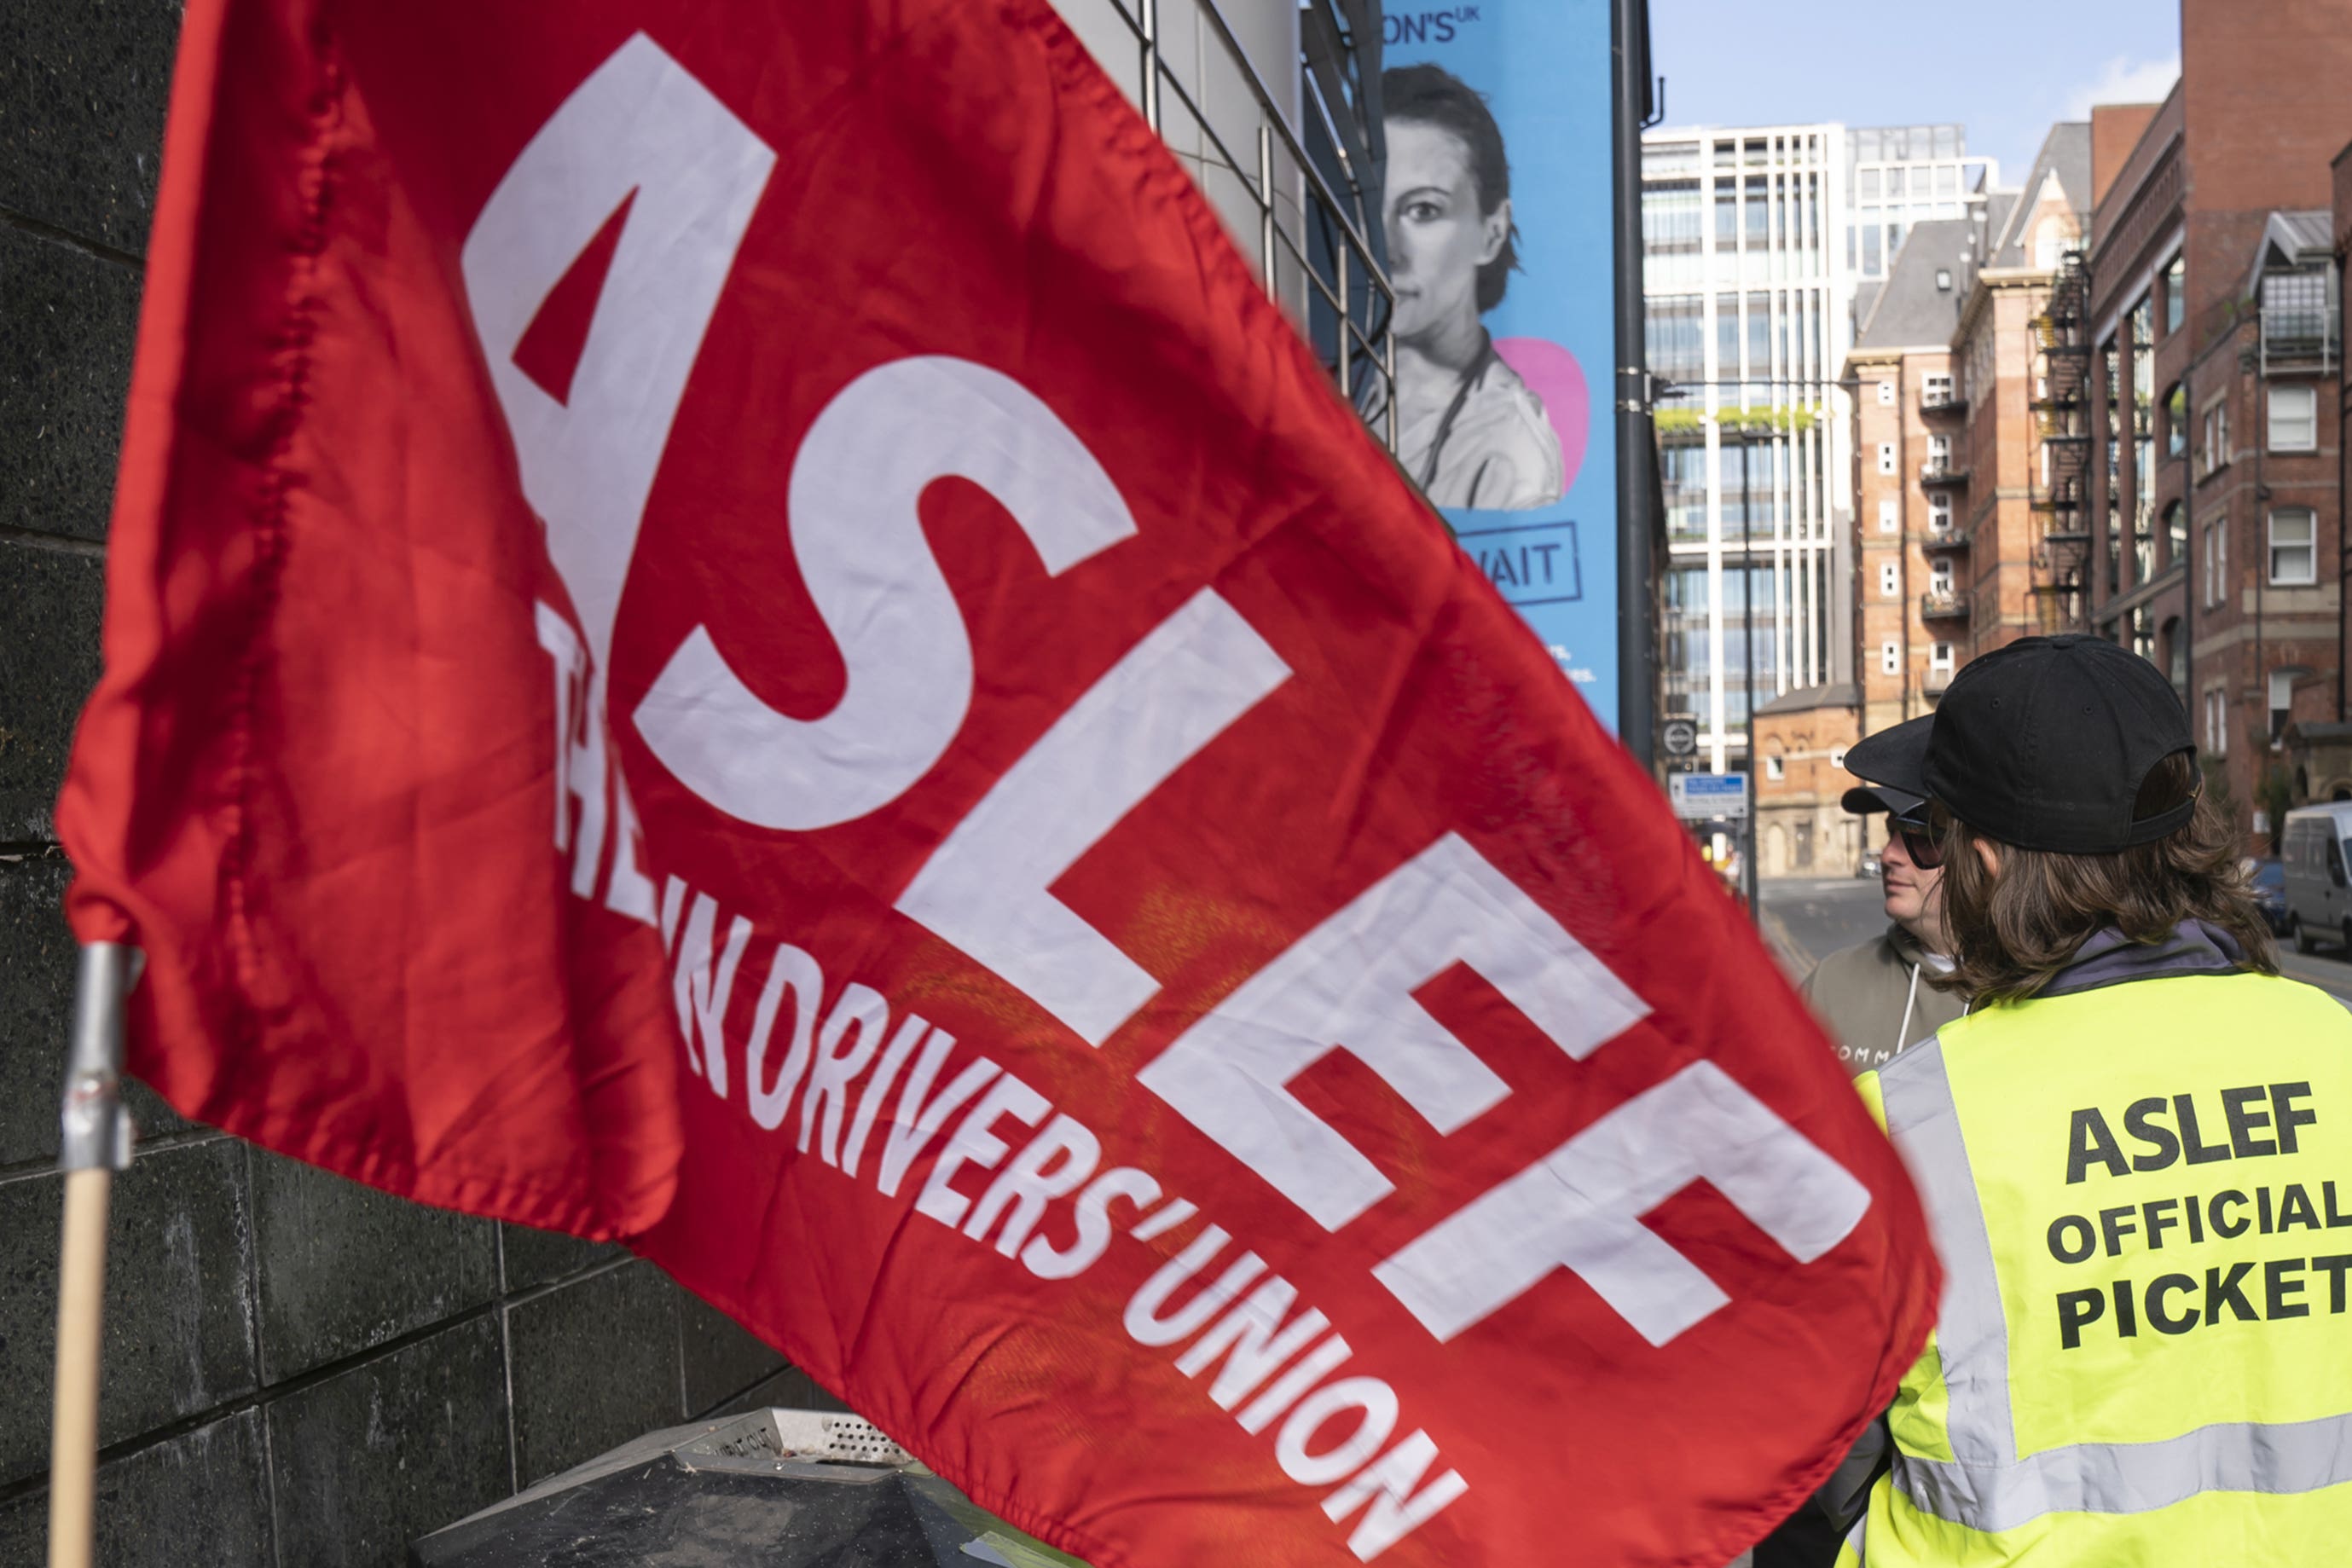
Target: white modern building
x=1762 y=246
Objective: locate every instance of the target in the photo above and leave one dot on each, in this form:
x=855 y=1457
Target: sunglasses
x=1918 y=843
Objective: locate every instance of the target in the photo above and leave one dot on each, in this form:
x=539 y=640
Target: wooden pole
x=95 y=1143
x=73 y=1431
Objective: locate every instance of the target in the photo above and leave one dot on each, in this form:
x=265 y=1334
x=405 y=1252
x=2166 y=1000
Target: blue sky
x=2005 y=68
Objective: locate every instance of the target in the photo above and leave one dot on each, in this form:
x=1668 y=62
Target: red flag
x=737 y=625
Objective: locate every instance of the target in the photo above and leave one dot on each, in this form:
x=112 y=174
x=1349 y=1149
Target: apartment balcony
x=1943 y=471
x=1948 y=606
x=1943 y=399
x=2301 y=336
x=1936 y=682
x=1945 y=537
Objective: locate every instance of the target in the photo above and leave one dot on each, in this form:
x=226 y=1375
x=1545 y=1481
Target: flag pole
x=94 y=1144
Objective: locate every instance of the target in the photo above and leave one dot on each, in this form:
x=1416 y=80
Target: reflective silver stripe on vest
x=1986 y=1486
x=2134 y=1478
x=1854 y=1541
x=1972 y=1334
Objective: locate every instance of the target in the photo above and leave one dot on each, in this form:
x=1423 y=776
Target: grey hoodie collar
x=2109 y=958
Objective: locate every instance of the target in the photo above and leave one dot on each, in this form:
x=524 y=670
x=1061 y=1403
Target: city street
x=1805 y=920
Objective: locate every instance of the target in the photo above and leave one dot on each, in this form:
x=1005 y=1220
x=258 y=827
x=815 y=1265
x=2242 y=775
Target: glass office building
x=1755 y=242
x=1903 y=176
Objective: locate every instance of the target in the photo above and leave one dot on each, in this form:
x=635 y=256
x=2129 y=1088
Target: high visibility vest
x=2142 y=1196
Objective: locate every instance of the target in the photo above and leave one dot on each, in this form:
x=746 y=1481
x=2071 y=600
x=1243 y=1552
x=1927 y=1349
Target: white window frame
x=2308 y=546
x=1837 y=757
x=2294 y=432
x=2215 y=456
x=2217 y=722
x=1886 y=392
x=1939 y=451
x=1887 y=457
x=1890 y=658
x=1940 y=658
x=1776 y=769
x=1939 y=512
x=2273 y=707
x=1890 y=580
x=1890 y=515
x=1940 y=577
x=1937 y=390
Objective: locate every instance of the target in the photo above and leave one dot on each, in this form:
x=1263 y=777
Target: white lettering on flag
x=985 y=888
x=851 y=511
x=639 y=131
x=1348 y=985
x=1580 y=1208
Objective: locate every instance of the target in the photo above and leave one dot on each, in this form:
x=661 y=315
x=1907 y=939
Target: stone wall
x=299 y=1371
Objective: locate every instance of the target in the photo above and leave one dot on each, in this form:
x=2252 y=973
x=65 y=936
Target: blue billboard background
x=1542 y=69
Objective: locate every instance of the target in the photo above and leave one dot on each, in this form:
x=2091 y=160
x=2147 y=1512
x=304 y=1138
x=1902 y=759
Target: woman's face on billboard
x=1437 y=237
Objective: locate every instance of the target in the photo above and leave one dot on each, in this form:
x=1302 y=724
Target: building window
x=1939 y=512
x=1890 y=580
x=2216 y=454
x=1890 y=658
x=2295 y=419
x=1939 y=390
x=1887 y=457
x=2176 y=421
x=2217 y=724
x=1939 y=451
x=1776 y=769
x=1939 y=658
x=1837 y=757
x=1889 y=514
x=1939 y=577
x=1886 y=394
x=2217 y=563
x=2294 y=551
x=2176 y=294
x=2176 y=534
x=2176 y=658
x=2281 y=701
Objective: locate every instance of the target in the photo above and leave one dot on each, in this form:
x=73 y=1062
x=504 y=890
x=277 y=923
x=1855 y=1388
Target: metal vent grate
x=834 y=1439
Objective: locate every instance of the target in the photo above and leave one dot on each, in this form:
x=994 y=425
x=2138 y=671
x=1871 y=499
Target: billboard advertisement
x=1497 y=213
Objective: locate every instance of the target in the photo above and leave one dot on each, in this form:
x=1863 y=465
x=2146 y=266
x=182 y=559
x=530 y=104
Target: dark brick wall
x=299 y=1371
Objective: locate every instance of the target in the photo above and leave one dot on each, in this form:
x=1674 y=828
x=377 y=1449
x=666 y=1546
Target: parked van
x=2318 y=901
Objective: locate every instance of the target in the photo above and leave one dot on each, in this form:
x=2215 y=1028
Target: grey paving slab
x=200 y=1500
x=397 y=1446
x=722 y=1358
x=536 y=1257
x=344 y=1268
x=67 y=322
x=49 y=607
x=179 y=1325
x=594 y=1363
x=82 y=86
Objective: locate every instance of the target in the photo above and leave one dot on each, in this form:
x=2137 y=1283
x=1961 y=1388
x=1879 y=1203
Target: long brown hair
x=2013 y=934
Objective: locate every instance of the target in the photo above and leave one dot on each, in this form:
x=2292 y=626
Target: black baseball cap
x=2044 y=744
x=1865 y=798
x=1893 y=763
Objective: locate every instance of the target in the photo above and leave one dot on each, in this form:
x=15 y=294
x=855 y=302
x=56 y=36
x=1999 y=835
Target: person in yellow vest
x=2135 y=1154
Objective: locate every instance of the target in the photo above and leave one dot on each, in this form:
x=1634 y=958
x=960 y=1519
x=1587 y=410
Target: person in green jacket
x=1877 y=997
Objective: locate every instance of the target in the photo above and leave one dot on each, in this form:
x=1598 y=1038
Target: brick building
x=2011 y=542
x=1905 y=400
x=2212 y=473
x=1801 y=829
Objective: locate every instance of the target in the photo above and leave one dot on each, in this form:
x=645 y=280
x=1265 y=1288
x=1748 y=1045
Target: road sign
x=1706 y=797
x=1679 y=736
